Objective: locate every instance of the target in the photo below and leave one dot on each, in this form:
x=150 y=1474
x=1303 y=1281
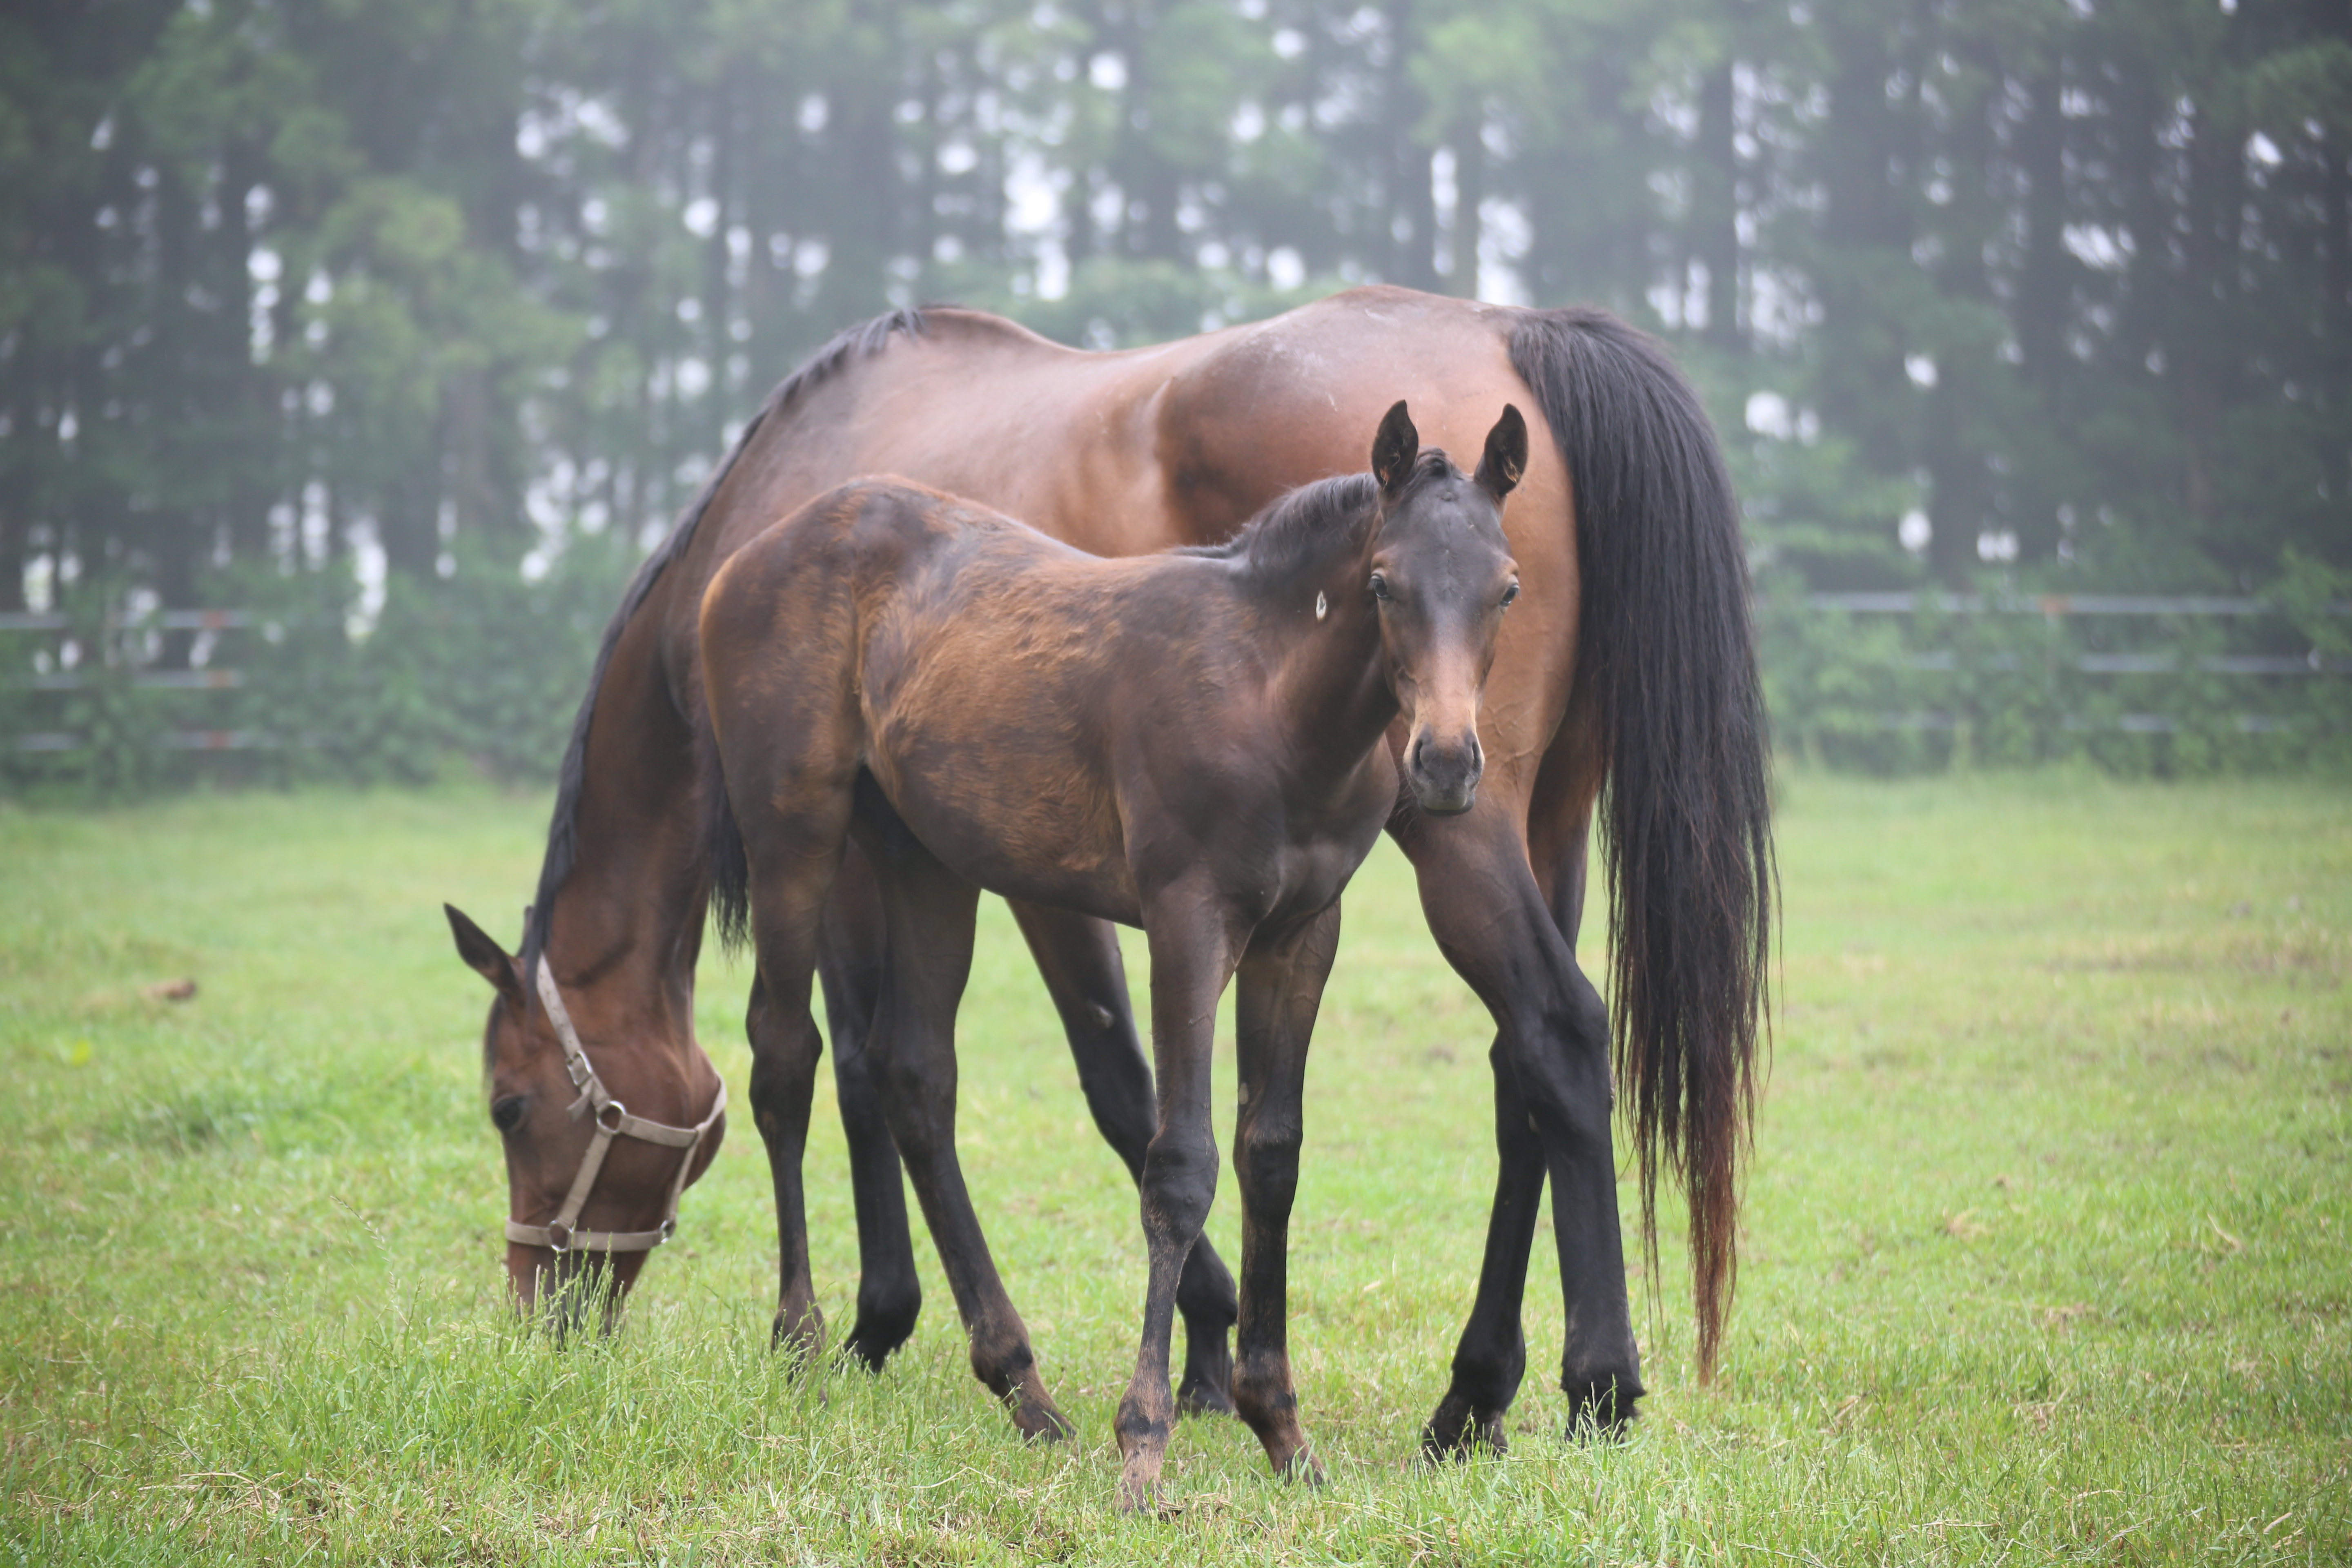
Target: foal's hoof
x=1039 y=1422
x=1303 y=1468
x=1139 y=1494
x=800 y=1336
x=1142 y=1448
x=1459 y=1432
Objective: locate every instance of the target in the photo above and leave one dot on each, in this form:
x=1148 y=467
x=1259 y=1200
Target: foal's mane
x=850 y=344
x=1300 y=525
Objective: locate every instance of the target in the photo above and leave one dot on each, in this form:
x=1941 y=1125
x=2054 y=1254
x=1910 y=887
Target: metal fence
x=129 y=647
x=54 y=675
x=2113 y=608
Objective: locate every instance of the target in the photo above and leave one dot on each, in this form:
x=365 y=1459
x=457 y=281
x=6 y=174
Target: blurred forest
x=2057 y=291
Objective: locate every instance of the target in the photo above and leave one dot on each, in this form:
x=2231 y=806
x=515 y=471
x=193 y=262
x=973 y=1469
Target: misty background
x=428 y=314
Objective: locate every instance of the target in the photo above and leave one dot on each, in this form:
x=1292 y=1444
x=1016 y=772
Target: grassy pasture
x=2046 y=1240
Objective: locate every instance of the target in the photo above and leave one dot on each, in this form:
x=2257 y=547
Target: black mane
x=1301 y=523
x=563 y=832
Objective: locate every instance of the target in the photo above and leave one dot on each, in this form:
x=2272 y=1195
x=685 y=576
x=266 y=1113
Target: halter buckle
x=559 y=1236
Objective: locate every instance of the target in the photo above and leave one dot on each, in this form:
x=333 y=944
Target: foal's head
x=1439 y=574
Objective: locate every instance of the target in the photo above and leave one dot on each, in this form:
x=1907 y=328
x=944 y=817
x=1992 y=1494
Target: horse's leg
x=1492 y=1355
x=1078 y=957
x=849 y=965
x=928 y=959
x=1191 y=959
x=1551 y=1059
x=1277 y=994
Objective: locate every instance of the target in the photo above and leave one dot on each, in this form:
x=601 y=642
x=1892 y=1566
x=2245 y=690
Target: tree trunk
x=1469 y=195
x=1955 y=439
x=1861 y=387
x=2042 y=312
x=1714 y=208
x=2041 y=286
x=1412 y=231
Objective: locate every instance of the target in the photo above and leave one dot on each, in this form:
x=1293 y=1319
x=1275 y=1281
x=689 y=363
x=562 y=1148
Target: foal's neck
x=1330 y=687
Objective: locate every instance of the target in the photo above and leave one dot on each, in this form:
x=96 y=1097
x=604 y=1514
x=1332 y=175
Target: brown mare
x=1189 y=743
x=1631 y=666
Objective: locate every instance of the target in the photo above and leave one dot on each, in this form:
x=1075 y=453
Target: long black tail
x=1666 y=655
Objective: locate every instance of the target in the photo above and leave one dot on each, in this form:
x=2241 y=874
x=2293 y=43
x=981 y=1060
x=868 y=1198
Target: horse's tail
x=1666 y=660
x=722 y=840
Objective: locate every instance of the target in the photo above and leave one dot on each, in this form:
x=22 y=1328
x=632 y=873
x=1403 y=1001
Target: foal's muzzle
x=1444 y=775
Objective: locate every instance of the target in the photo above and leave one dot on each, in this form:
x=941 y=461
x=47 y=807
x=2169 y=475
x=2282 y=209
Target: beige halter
x=613 y=1121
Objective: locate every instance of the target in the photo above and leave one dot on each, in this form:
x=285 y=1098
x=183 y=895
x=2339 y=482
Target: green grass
x=2045 y=1247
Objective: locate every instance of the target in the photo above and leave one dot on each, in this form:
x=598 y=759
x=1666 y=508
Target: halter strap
x=613 y=1121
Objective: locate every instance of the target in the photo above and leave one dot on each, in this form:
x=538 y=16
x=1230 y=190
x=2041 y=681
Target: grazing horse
x=1189 y=742
x=1631 y=665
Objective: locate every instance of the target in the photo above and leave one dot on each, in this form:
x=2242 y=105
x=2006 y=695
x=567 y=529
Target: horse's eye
x=507 y=1113
x=1380 y=587
x=1510 y=593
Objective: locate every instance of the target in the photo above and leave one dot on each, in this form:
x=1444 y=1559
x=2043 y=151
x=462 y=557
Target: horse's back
x=1139 y=450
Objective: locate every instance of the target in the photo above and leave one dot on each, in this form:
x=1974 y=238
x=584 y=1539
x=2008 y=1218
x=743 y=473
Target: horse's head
x=1440 y=575
x=567 y=1262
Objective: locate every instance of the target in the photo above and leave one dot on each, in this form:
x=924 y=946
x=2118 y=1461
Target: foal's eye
x=507 y=1113
x=1510 y=593
x=1379 y=588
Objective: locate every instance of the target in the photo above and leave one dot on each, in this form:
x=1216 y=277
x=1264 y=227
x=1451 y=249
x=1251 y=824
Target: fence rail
x=174 y=741
x=2312 y=663
x=1910 y=603
x=2047 y=674
x=1916 y=709
x=157 y=620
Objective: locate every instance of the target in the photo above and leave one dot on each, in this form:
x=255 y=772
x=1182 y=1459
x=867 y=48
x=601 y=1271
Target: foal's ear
x=483 y=956
x=1394 y=449
x=1505 y=456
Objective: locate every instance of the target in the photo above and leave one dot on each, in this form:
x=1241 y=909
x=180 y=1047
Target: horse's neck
x=627 y=974
x=625 y=927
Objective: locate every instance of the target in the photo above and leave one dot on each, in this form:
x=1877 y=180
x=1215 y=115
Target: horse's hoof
x=1199 y=1396
x=1458 y=1434
x=1602 y=1411
x=879 y=1332
x=865 y=1351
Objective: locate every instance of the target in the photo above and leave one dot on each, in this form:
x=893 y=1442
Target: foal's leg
x=849 y=965
x=1078 y=957
x=931 y=913
x=1279 y=991
x=1191 y=959
x=1551 y=1057
x=793 y=859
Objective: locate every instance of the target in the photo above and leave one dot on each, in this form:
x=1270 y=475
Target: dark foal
x=1189 y=742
